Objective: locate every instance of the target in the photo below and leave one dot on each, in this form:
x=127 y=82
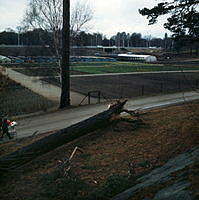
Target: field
x=123 y=67
x=32 y=69
x=105 y=167
x=112 y=157
x=129 y=86
x=120 y=86
x=17 y=100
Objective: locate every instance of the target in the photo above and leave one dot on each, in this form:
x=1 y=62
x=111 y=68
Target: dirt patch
x=44 y=71
x=129 y=86
x=109 y=151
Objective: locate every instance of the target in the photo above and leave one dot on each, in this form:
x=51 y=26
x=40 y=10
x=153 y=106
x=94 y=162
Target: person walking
x=4 y=126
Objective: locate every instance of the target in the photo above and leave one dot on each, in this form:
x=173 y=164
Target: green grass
x=100 y=68
x=105 y=64
x=124 y=67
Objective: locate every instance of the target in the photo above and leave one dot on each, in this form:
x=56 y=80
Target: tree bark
x=26 y=154
x=65 y=76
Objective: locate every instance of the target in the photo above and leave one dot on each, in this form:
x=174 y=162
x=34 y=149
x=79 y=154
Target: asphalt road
x=64 y=118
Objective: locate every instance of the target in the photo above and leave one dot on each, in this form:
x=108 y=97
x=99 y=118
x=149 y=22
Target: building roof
x=134 y=55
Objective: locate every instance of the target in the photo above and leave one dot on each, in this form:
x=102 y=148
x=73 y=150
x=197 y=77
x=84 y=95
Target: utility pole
x=65 y=61
x=18 y=34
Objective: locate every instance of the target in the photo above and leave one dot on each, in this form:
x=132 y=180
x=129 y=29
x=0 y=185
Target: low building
x=136 y=58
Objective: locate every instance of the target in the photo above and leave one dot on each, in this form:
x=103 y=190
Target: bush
x=113 y=185
x=56 y=186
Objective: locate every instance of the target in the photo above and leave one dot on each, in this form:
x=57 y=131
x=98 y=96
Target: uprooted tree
x=17 y=159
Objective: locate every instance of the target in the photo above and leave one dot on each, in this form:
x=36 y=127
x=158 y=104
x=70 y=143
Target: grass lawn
x=122 y=67
x=34 y=69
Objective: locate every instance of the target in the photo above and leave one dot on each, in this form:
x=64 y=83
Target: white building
x=136 y=58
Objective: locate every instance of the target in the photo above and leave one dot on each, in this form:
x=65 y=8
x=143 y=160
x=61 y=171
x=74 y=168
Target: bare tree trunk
x=65 y=79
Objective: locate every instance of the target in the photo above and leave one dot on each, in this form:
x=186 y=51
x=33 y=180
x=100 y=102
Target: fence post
x=179 y=84
x=196 y=84
x=142 y=90
x=161 y=87
x=99 y=94
x=89 y=98
x=165 y=88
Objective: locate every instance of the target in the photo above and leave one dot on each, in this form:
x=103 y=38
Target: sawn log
x=22 y=156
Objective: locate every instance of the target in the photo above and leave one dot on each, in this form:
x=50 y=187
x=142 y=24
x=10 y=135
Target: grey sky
x=110 y=16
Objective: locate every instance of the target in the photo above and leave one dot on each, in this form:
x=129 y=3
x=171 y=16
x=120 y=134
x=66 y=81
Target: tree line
x=42 y=25
x=43 y=37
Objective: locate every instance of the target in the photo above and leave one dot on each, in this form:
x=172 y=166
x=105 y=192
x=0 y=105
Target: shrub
x=57 y=186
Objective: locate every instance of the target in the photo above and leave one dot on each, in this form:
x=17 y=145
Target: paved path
x=42 y=88
x=131 y=73
x=117 y=74
x=64 y=118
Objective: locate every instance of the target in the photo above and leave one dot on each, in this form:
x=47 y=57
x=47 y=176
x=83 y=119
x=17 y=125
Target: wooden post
x=161 y=87
x=197 y=84
x=99 y=94
x=89 y=98
x=179 y=85
x=142 y=90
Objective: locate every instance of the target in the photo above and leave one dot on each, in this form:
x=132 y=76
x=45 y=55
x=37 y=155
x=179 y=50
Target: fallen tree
x=17 y=159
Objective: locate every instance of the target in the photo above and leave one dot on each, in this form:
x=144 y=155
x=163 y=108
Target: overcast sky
x=110 y=16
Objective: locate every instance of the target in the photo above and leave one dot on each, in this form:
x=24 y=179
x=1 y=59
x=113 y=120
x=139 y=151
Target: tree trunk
x=65 y=79
x=26 y=154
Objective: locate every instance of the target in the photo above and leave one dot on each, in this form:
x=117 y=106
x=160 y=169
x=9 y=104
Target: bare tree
x=48 y=15
x=80 y=16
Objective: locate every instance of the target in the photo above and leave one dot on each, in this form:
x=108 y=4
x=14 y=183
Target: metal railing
x=99 y=95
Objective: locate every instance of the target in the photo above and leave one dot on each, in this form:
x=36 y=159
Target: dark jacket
x=4 y=125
